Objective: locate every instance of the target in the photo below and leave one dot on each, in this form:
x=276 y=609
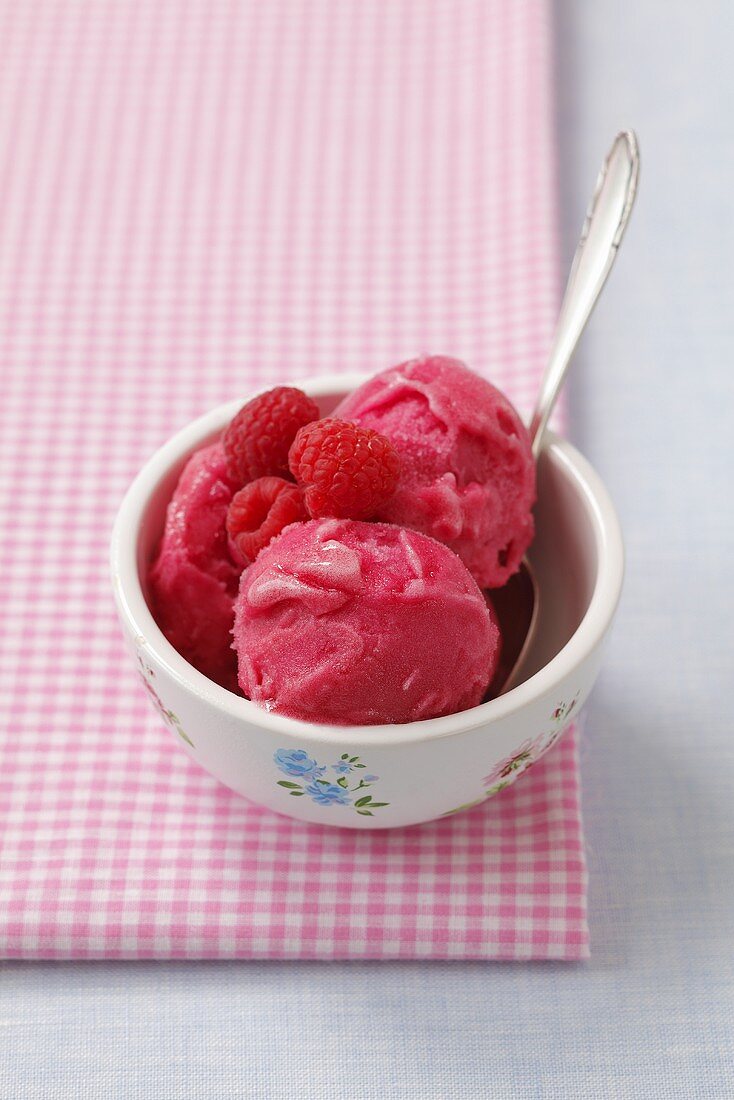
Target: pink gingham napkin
x=199 y=197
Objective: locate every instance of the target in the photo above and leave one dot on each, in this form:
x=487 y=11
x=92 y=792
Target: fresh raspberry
x=259 y=512
x=257 y=440
x=345 y=470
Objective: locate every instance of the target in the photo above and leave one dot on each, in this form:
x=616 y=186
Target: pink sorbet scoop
x=468 y=474
x=354 y=623
x=193 y=581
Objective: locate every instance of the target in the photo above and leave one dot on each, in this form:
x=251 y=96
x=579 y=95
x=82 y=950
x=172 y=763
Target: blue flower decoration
x=297 y=762
x=328 y=794
x=305 y=778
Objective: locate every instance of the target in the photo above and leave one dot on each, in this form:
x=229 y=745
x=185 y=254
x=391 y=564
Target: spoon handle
x=604 y=227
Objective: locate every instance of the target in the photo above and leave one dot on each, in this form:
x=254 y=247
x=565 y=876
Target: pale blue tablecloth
x=651 y=1015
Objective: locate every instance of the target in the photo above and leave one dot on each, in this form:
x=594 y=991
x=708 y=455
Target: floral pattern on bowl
x=504 y=772
x=308 y=778
x=146 y=675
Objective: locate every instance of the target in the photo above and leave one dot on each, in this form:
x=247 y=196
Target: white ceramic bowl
x=404 y=774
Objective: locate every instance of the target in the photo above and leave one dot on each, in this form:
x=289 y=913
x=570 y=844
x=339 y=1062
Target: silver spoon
x=518 y=604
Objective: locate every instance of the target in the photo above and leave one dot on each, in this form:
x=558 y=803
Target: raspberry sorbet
x=352 y=623
x=467 y=471
x=193 y=580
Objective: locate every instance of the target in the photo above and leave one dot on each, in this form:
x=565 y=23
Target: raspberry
x=345 y=470
x=259 y=512
x=256 y=441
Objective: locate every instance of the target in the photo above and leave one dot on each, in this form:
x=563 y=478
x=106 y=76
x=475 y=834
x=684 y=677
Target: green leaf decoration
x=297 y=794
x=373 y=804
x=289 y=785
x=360 y=765
x=353 y=759
x=342 y=782
x=365 y=813
x=363 y=800
x=467 y=805
x=184 y=737
x=345 y=756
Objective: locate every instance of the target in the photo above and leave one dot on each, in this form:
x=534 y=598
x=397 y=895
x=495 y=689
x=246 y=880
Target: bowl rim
x=139 y=621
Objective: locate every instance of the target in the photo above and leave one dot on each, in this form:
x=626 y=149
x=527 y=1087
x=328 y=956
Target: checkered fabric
x=198 y=197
